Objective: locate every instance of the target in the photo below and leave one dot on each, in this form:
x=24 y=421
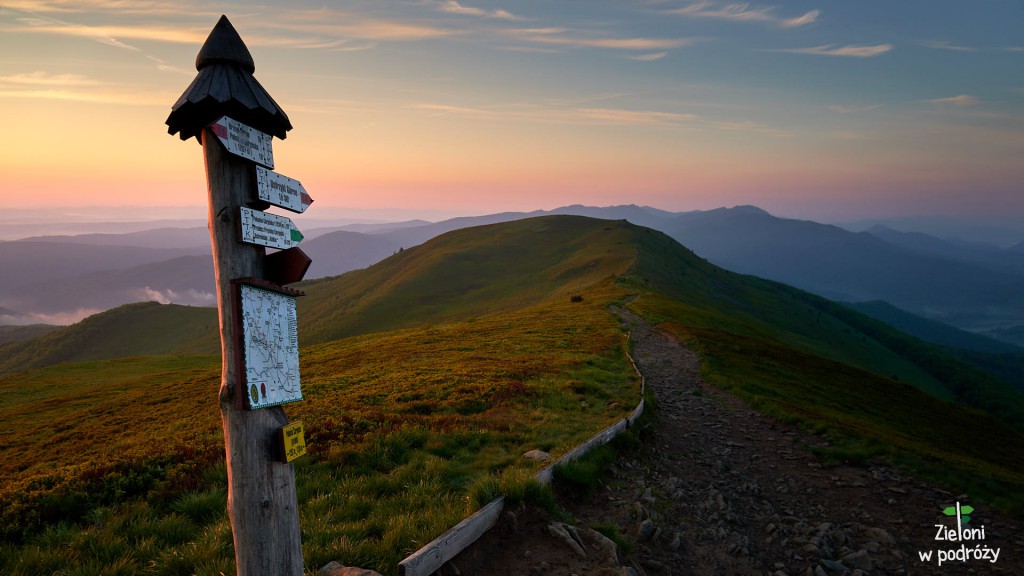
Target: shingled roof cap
x=225 y=86
x=225 y=46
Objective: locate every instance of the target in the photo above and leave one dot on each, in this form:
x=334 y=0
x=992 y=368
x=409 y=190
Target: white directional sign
x=281 y=190
x=270 y=340
x=268 y=230
x=244 y=141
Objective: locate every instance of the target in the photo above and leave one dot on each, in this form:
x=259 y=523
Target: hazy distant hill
x=62 y=275
x=28 y=263
x=196 y=238
x=970 y=285
x=185 y=280
x=848 y=266
x=338 y=252
x=142 y=329
x=1006 y=260
x=932 y=331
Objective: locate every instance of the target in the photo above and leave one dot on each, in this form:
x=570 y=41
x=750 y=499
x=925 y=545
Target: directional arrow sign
x=268 y=230
x=244 y=141
x=281 y=190
x=286 y=266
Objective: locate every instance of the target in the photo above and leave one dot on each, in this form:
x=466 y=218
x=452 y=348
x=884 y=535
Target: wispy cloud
x=56 y=319
x=331 y=28
x=634 y=117
x=961 y=101
x=91 y=96
x=110 y=35
x=946 y=45
x=41 y=78
x=453 y=7
x=743 y=12
x=569 y=114
x=648 y=57
x=189 y=297
x=843 y=109
x=848 y=51
x=122 y=7
x=323 y=29
x=562 y=37
x=557 y=113
x=41 y=85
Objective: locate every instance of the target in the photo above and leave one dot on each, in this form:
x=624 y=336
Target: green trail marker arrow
x=268 y=230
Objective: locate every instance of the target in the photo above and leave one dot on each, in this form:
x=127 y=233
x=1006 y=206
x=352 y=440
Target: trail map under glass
x=270 y=340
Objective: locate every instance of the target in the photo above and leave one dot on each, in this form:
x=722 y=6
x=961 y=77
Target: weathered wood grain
x=262 y=503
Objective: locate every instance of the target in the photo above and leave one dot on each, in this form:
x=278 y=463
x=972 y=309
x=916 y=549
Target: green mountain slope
x=779 y=315
x=468 y=273
x=142 y=329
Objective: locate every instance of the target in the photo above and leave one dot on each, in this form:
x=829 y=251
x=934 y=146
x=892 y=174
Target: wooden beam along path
x=447 y=546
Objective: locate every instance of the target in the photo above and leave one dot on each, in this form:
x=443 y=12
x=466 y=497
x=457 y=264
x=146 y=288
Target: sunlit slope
x=476 y=395
x=142 y=329
x=469 y=273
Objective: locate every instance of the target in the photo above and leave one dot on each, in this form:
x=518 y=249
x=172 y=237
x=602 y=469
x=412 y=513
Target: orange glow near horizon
x=412 y=107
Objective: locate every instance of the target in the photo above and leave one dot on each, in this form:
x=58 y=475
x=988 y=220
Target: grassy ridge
x=468 y=273
x=403 y=428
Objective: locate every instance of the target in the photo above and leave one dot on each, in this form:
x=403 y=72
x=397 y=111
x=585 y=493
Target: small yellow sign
x=294 y=442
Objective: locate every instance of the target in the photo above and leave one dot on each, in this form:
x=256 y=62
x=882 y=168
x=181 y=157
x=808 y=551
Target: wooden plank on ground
x=448 y=545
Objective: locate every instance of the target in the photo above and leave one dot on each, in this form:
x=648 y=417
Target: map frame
x=272 y=391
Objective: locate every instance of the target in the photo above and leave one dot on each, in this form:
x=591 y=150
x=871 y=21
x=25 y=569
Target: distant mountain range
x=974 y=286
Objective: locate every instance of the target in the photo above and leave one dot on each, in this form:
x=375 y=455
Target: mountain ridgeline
x=875 y=391
x=468 y=273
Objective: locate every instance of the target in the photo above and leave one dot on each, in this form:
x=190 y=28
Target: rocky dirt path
x=720 y=489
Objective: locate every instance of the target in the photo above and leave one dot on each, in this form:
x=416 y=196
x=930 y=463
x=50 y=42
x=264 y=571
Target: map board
x=270 y=343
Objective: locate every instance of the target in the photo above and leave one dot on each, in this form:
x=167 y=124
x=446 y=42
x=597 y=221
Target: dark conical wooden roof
x=225 y=46
x=225 y=86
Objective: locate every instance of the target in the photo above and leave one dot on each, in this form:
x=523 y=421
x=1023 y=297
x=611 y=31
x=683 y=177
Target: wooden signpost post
x=235 y=119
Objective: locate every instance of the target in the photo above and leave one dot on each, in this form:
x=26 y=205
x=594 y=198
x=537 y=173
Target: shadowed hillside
x=143 y=329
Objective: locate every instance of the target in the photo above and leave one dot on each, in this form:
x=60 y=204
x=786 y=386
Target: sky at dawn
x=830 y=110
